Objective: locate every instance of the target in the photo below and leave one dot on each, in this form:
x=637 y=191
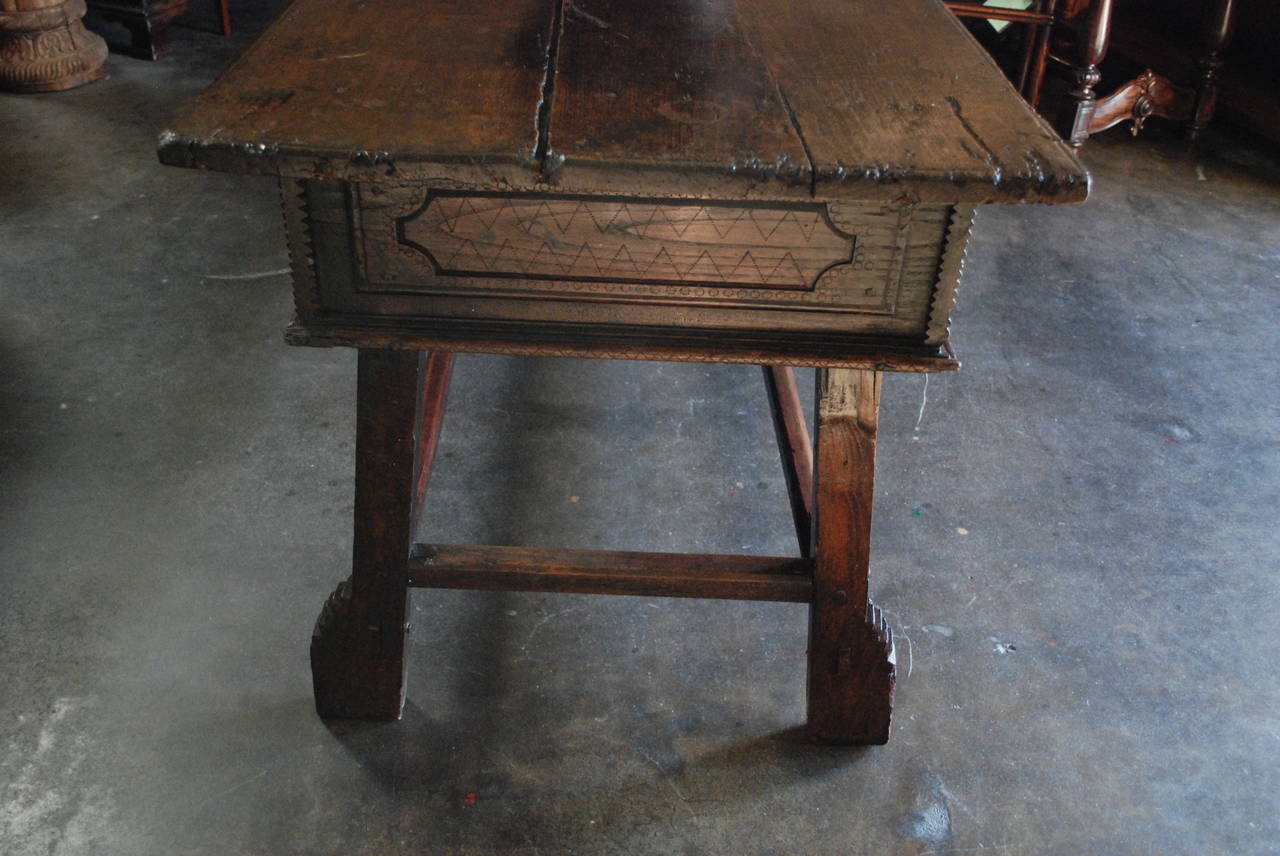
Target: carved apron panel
x=787 y=254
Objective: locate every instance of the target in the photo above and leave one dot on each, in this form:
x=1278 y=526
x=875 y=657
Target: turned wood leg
x=1211 y=64
x=1093 y=49
x=358 y=647
x=851 y=658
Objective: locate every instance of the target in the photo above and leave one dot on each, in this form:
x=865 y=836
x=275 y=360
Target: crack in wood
x=547 y=161
x=977 y=138
x=804 y=144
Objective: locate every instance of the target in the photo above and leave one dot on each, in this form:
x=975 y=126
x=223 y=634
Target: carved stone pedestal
x=44 y=47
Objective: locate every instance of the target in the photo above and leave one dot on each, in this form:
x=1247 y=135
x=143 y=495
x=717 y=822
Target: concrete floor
x=1076 y=542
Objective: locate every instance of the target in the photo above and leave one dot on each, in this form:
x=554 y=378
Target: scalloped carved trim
x=332 y=619
x=297 y=227
x=949 y=273
x=882 y=634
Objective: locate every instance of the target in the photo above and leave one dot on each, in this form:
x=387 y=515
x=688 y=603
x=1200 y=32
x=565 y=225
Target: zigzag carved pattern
x=626 y=240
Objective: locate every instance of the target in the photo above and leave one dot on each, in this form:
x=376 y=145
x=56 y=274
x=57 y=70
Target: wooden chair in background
x=1075 y=35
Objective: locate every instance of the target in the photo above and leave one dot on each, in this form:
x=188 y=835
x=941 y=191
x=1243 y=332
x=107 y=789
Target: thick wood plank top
x=354 y=88
x=725 y=98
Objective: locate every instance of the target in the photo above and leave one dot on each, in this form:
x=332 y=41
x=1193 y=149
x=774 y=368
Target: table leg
x=437 y=369
x=358 y=647
x=794 y=447
x=851 y=658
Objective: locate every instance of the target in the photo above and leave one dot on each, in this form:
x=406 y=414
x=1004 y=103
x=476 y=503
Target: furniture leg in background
x=1149 y=94
x=148 y=21
x=1220 y=30
x=1039 y=20
x=795 y=449
x=1036 y=55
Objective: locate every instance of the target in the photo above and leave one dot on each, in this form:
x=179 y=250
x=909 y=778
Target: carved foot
x=44 y=47
x=352 y=674
x=864 y=674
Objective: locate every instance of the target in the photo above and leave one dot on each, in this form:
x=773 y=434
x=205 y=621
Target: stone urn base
x=44 y=46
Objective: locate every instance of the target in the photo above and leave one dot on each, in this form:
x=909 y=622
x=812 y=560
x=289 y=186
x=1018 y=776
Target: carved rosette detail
x=949 y=273
x=44 y=46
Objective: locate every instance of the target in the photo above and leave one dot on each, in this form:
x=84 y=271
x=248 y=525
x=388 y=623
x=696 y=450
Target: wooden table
x=782 y=184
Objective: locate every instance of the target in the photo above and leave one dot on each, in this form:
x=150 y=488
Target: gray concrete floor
x=1076 y=541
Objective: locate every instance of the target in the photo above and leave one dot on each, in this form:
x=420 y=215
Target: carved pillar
x=44 y=47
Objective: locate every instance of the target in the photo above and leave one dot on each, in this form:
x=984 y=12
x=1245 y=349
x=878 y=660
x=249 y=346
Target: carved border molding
x=636 y=240
x=302 y=263
x=866 y=278
x=949 y=273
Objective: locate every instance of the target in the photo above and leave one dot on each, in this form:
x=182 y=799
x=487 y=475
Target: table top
x=830 y=99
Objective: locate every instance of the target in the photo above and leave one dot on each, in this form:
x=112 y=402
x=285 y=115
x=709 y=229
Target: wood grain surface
x=359 y=282
x=732 y=98
x=837 y=269
x=667 y=85
x=625 y=239
x=433 y=393
x=347 y=87
x=852 y=668
x=358 y=645
x=611 y=572
x=794 y=447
